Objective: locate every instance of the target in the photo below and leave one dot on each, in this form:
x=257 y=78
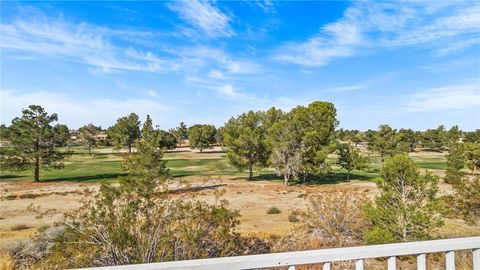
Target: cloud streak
x=204 y=16
x=77 y=112
x=83 y=43
x=367 y=26
x=456 y=97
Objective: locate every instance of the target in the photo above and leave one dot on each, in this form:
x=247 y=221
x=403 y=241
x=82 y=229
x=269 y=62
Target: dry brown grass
x=6 y=262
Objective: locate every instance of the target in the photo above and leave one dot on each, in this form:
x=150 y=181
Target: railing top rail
x=312 y=256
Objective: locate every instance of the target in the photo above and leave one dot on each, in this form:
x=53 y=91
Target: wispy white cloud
x=204 y=16
x=82 y=43
x=109 y=50
x=216 y=74
x=267 y=6
x=334 y=40
x=151 y=93
x=455 y=97
x=368 y=26
x=204 y=56
x=346 y=88
x=77 y=112
x=228 y=90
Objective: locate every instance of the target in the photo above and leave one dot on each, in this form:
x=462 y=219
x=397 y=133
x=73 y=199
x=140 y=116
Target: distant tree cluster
x=296 y=143
x=387 y=141
x=201 y=136
x=350 y=158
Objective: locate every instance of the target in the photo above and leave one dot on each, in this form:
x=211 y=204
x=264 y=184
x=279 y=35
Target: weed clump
x=273 y=211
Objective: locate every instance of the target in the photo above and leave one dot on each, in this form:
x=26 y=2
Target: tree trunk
x=201 y=149
x=348 y=175
x=89 y=149
x=37 y=171
x=250 y=171
x=36 y=164
x=129 y=148
x=285 y=179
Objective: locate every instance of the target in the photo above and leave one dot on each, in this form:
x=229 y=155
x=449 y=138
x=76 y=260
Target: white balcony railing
x=327 y=256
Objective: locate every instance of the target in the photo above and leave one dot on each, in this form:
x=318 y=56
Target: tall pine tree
x=33 y=142
x=407 y=208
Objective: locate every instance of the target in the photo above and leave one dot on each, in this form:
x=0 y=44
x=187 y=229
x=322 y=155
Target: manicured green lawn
x=78 y=168
x=81 y=167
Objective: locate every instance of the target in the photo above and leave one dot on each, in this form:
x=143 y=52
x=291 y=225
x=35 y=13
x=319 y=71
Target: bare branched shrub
x=331 y=220
x=336 y=216
x=27 y=254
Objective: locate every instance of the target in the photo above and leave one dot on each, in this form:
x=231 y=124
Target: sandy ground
x=251 y=198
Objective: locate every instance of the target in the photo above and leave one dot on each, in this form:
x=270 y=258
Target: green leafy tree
x=350 y=158
x=455 y=163
x=201 y=136
x=384 y=141
x=272 y=116
x=453 y=135
x=472 y=136
x=168 y=140
x=407 y=208
x=147 y=163
x=245 y=141
x=86 y=135
x=62 y=137
x=472 y=154
x=315 y=124
x=467 y=200
x=435 y=139
x=406 y=140
x=219 y=136
x=287 y=148
x=33 y=142
x=301 y=141
x=180 y=132
x=125 y=131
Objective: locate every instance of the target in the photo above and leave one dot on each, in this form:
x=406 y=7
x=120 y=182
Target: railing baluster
x=476 y=259
x=326 y=266
x=421 y=262
x=359 y=265
x=450 y=260
x=392 y=264
x=291 y=267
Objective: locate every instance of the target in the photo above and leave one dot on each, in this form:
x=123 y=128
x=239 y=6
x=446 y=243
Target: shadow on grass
x=195 y=189
x=331 y=178
x=87 y=178
x=335 y=178
x=9 y=176
x=210 y=152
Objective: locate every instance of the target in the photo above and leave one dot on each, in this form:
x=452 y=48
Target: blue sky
x=409 y=64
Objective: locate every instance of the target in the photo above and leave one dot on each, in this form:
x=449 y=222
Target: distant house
x=74 y=135
x=101 y=137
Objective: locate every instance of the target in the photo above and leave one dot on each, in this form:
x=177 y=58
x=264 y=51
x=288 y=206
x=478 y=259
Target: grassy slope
x=81 y=167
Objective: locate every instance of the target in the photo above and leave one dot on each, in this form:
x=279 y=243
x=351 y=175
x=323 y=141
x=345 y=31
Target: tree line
x=296 y=143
